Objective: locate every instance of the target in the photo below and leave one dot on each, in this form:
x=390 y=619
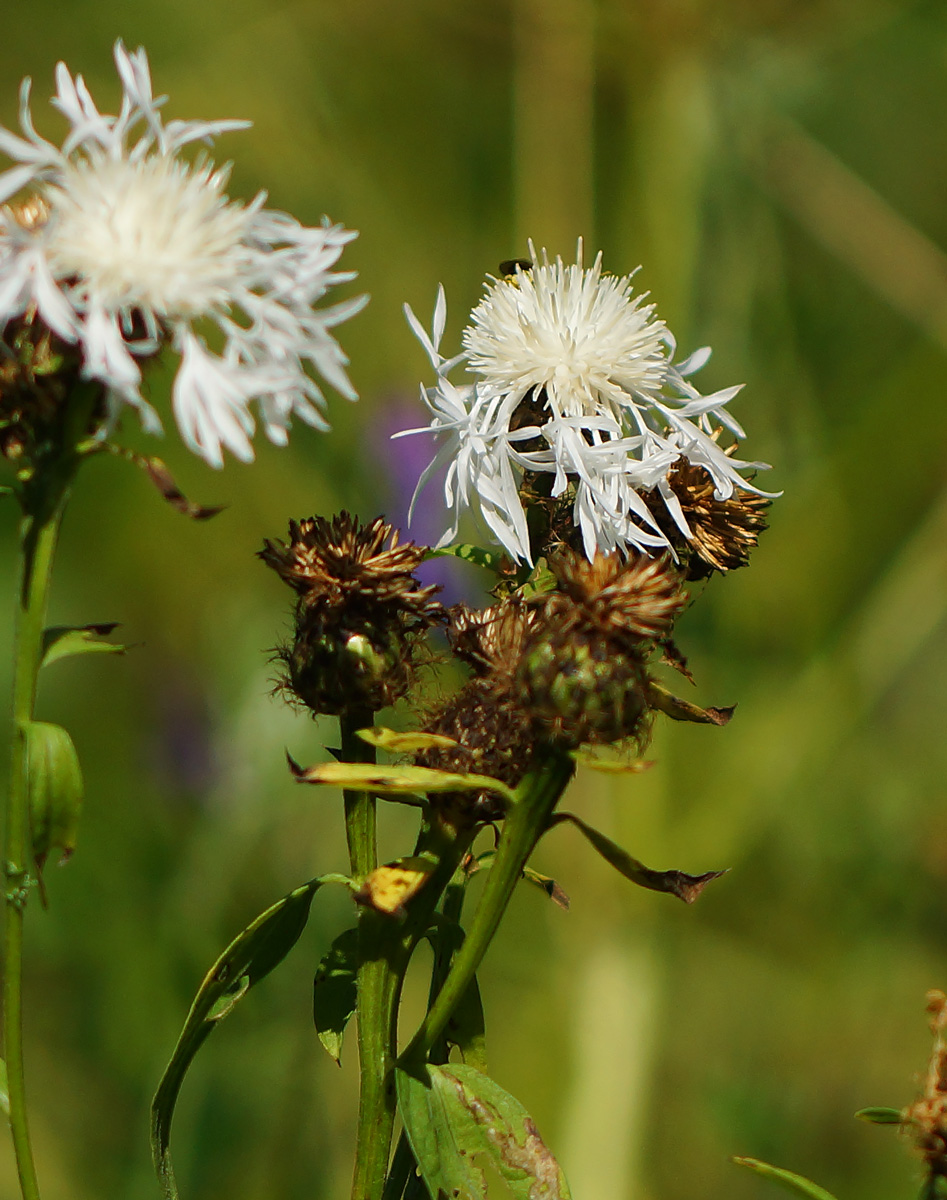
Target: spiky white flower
x=574 y=377
x=137 y=247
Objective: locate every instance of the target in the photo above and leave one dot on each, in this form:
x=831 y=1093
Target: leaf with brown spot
x=682 y=710
x=395 y=780
x=677 y=883
x=63 y=641
x=404 y=743
x=455 y=1117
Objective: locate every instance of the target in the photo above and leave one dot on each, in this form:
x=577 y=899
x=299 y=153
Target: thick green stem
x=376 y=1102
x=522 y=827
x=39 y=532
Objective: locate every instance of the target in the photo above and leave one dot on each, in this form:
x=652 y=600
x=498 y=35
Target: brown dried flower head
x=490 y=640
x=723 y=532
x=340 y=564
x=627 y=600
x=360 y=612
x=927 y=1117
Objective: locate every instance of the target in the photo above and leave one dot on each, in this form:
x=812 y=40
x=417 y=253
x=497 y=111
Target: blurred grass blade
x=677 y=883
x=249 y=958
x=456 y=1114
x=4 y=1092
x=797 y=1184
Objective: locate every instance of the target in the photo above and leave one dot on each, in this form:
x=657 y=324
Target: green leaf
x=395 y=780
x=685 y=887
x=881 y=1116
x=454 y=1115
x=250 y=956
x=492 y=560
x=334 y=992
x=62 y=641
x=4 y=1090
x=682 y=710
x=792 y=1183
x=545 y=884
x=55 y=789
x=404 y=743
x=466 y=1028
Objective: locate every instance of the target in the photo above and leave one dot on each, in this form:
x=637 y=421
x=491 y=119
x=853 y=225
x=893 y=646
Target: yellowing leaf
x=404 y=743
x=389 y=888
x=395 y=780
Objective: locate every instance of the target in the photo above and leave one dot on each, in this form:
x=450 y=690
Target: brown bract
x=626 y=600
x=340 y=564
x=723 y=532
x=490 y=640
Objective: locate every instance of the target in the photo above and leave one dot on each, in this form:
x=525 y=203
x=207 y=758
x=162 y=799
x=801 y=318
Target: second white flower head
x=134 y=245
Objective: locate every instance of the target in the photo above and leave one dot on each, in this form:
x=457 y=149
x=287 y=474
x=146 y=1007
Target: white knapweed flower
x=137 y=247
x=572 y=377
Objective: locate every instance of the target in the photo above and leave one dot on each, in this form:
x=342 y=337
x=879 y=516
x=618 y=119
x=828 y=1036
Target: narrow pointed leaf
x=55 y=790
x=797 y=1184
x=404 y=743
x=881 y=1116
x=334 y=992
x=249 y=958
x=552 y=889
x=682 y=710
x=613 y=766
x=62 y=641
x=678 y=883
x=395 y=780
x=456 y=1118
x=492 y=560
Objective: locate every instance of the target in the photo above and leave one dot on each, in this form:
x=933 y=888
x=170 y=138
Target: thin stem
x=522 y=827
x=376 y=1102
x=39 y=532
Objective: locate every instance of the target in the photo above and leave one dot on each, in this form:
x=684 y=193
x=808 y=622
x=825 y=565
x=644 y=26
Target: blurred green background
x=779 y=168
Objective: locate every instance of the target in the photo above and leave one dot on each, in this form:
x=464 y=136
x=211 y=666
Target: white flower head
x=139 y=247
x=572 y=376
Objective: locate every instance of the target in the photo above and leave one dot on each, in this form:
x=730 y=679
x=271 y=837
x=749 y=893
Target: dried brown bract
x=627 y=600
x=490 y=640
x=723 y=532
x=928 y=1115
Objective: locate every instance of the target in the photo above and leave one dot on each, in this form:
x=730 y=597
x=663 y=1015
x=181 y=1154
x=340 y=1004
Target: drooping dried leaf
x=677 y=883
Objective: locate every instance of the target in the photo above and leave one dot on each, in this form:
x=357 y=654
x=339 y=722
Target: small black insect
x=509 y=265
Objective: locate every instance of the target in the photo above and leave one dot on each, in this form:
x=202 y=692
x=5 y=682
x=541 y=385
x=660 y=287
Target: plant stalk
x=376 y=1101
x=522 y=827
x=40 y=528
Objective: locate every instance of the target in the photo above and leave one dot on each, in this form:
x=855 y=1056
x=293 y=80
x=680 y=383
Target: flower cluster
x=575 y=397
x=124 y=246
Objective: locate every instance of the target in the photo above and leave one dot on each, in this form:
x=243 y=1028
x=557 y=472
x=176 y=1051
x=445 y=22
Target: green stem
x=39 y=531
x=538 y=795
x=43 y=498
x=376 y=1102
